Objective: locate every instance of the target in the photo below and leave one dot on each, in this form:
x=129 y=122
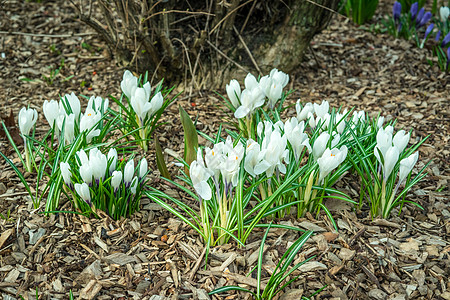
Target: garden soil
x=153 y=255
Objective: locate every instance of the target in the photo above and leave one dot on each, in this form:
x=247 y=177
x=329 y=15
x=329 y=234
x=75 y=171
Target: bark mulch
x=153 y=255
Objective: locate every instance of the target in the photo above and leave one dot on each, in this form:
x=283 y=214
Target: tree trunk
x=206 y=43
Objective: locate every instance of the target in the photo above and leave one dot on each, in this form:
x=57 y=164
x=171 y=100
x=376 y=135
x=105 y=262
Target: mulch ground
x=153 y=255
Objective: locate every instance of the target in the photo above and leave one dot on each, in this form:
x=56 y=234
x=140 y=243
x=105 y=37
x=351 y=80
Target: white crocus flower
x=143 y=168
x=340 y=121
x=297 y=138
x=250 y=82
x=51 y=112
x=112 y=157
x=359 y=116
x=234 y=92
x=128 y=172
x=322 y=109
x=214 y=158
x=98 y=162
x=302 y=112
x=83 y=192
x=84 y=160
x=88 y=122
x=254 y=162
x=274 y=93
x=280 y=77
x=74 y=104
x=27 y=119
x=250 y=100
x=384 y=142
x=444 y=12
x=390 y=160
x=320 y=144
x=116 y=180
x=155 y=104
x=69 y=128
x=232 y=157
x=401 y=139
x=275 y=153
x=139 y=103
x=406 y=166
x=86 y=173
x=312 y=121
x=199 y=177
x=380 y=122
x=98 y=104
x=66 y=174
x=129 y=84
x=330 y=160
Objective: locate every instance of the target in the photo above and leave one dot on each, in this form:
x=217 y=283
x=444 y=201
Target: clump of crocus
x=98 y=182
x=249 y=101
x=144 y=106
x=66 y=116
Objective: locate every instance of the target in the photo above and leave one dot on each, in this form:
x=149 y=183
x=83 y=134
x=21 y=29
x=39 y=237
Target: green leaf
x=162 y=167
x=190 y=138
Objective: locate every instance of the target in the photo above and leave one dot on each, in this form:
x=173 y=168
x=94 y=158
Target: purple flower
x=428 y=31
x=446 y=40
x=396 y=10
x=426 y=17
x=420 y=15
x=448 y=58
x=438 y=36
x=414 y=8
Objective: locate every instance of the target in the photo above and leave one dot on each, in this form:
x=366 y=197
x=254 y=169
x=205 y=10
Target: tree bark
x=212 y=40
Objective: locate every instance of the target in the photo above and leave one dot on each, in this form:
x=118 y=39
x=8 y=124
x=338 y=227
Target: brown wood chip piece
x=119 y=259
x=5 y=235
x=383 y=222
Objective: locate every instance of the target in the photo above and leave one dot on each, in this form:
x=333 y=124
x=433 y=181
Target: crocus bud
x=397 y=10
x=414 y=9
x=322 y=109
x=448 y=58
x=250 y=83
x=155 y=104
x=66 y=174
x=446 y=40
x=401 y=140
x=27 y=119
x=116 y=180
x=83 y=192
x=420 y=15
x=444 y=12
x=406 y=165
x=234 y=92
x=390 y=160
x=51 y=111
x=199 y=177
x=86 y=173
x=438 y=36
x=320 y=145
x=380 y=122
x=143 y=167
x=74 y=104
x=302 y=112
x=128 y=172
x=129 y=84
x=98 y=164
x=112 y=158
x=426 y=17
